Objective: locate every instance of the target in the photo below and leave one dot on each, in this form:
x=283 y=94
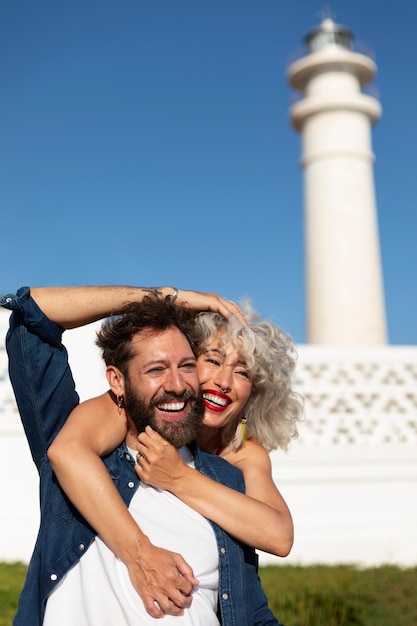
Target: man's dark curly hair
x=152 y=315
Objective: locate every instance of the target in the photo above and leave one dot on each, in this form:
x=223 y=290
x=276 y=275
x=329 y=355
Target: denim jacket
x=45 y=394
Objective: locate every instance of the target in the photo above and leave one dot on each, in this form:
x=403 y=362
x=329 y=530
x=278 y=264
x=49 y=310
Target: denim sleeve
x=39 y=372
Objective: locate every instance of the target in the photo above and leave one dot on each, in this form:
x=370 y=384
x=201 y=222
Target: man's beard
x=178 y=433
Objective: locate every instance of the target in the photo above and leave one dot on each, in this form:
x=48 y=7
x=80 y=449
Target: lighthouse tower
x=345 y=302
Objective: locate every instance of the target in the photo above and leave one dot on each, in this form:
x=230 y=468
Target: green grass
x=11 y=581
x=301 y=596
x=342 y=595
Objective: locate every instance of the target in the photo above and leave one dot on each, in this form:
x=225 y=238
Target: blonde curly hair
x=273 y=408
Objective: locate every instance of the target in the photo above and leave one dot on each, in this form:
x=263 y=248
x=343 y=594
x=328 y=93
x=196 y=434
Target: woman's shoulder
x=249 y=452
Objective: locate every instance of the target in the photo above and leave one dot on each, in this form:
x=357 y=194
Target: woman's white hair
x=273 y=408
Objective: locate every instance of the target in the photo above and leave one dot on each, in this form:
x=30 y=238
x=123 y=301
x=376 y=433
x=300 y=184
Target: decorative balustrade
x=363 y=396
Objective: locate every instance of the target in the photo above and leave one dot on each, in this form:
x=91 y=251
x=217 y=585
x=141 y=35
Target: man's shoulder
x=218 y=468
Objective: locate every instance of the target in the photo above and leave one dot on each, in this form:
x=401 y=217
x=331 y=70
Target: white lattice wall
x=350 y=478
x=362 y=396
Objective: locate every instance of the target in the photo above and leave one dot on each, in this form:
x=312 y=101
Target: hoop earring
x=119 y=400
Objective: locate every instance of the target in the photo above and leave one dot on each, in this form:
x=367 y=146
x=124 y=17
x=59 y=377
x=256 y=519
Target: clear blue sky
x=148 y=142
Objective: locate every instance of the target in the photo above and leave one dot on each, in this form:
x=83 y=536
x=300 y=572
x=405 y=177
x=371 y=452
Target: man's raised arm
x=71 y=307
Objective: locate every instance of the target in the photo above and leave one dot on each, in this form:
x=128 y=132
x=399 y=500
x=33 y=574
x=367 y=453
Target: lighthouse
x=345 y=300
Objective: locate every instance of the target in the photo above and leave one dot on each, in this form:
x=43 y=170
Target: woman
x=245 y=373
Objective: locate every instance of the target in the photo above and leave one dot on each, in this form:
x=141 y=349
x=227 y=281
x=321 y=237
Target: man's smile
x=173 y=411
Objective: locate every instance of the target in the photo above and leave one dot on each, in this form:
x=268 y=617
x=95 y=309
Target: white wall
x=350 y=504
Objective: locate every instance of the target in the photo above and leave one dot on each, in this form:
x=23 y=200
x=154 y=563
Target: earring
x=119 y=400
x=243 y=429
x=239 y=437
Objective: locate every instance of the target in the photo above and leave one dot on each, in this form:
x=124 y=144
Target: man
x=57 y=577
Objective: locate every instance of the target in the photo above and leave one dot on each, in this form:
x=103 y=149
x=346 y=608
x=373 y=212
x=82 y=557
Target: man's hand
x=163 y=580
x=75 y=306
x=199 y=301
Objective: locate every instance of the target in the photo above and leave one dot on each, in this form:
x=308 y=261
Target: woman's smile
x=222 y=367
x=215 y=400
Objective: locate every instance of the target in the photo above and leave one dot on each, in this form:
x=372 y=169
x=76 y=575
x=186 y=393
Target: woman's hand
x=163 y=580
x=158 y=463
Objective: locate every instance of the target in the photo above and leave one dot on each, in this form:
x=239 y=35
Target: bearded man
x=73 y=578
